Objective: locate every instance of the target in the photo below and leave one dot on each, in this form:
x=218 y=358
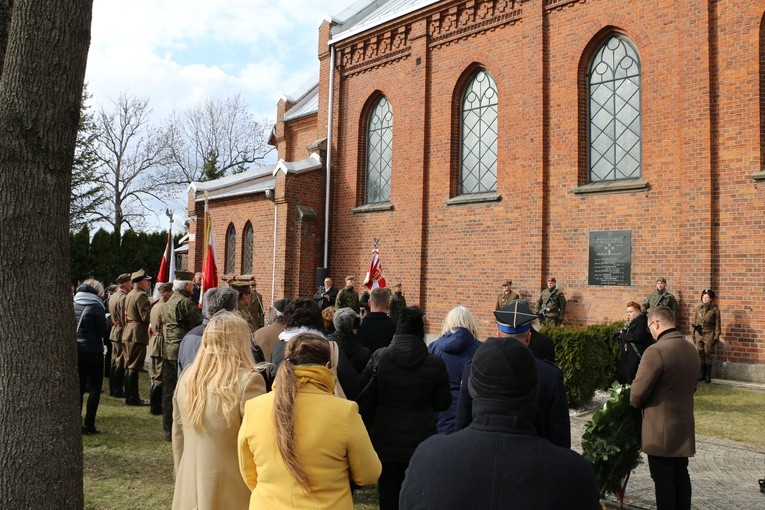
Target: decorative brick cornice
x=467 y=19
x=375 y=51
x=557 y=5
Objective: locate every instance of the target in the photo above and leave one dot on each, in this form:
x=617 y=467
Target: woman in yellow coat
x=300 y=447
x=207 y=412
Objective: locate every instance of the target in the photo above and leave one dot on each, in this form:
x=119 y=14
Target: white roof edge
x=286 y=98
x=362 y=27
x=283 y=165
x=238 y=193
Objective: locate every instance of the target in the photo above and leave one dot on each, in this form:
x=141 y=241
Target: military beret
x=166 y=287
x=507 y=283
x=350 y=277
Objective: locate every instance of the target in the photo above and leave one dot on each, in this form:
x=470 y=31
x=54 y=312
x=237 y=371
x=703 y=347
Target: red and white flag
x=374 y=276
x=167 y=266
x=209 y=270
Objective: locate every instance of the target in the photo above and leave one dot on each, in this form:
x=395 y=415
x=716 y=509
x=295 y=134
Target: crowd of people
x=341 y=390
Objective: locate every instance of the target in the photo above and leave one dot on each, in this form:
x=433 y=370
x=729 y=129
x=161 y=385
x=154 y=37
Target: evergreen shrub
x=588 y=357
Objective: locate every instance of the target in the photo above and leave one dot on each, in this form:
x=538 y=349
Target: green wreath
x=611 y=442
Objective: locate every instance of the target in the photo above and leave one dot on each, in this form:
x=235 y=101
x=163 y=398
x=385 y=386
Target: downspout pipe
x=330 y=107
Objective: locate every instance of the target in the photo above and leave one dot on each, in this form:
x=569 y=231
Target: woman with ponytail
x=207 y=411
x=300 y=447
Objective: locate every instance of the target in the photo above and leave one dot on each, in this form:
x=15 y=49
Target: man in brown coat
x=136 y=334
x=117 y=316
x=663 y=389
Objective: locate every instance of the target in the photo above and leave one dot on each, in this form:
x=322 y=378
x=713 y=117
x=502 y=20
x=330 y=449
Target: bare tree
x=134 y=156
x=43 y=53
x=216 y=137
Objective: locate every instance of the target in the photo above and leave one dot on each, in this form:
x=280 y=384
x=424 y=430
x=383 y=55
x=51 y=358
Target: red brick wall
x=699 y=223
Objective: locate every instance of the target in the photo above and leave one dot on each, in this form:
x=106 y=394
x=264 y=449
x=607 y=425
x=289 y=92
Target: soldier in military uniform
x=661 y=297
x=706 y=332
x=136 y=334
x=256 y=306
x=242 y=286
x=347 y=297
x=155 y=348
x=551 y=305
x=397 y=302
x=180 y=315
x=117 y=316
x=507 y=295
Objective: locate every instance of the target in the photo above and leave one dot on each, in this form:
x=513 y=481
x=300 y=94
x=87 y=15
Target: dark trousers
x=90 y=366
x=169 y=382
x=389 y=484
x=672 y=482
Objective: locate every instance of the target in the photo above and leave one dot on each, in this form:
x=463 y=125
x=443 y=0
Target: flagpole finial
x=377 y=241
x=169 y=214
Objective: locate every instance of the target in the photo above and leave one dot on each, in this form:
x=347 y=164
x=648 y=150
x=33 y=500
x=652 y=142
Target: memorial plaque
x=610 y=258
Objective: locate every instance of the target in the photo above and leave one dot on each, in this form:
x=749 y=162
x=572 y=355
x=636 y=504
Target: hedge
x=588 y=357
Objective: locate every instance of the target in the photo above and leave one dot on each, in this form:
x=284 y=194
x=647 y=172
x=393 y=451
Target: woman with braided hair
x=321 y=443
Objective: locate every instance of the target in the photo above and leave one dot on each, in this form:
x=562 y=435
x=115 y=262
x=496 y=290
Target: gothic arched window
x=379 y=152
x=478 y=147
x=247 y=245
x=230 y=263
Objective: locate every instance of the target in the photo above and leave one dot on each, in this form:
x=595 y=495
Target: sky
x=178 y=52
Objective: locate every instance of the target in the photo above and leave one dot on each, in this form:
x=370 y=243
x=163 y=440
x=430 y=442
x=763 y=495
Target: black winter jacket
x=356 y=353
x=413 y=385
x=498 y=462
x=93 y=328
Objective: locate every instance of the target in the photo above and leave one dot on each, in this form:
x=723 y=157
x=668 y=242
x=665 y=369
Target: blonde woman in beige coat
x=207 y=411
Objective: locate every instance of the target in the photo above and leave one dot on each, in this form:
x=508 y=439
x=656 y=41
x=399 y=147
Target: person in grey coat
x=92 y=331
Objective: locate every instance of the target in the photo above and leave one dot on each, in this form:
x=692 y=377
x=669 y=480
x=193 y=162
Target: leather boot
x=708 y=373
x=128 y=386
x=155 y=400
x=132 y=398
x=119 y=382
x=703 y=372
x=112 y=370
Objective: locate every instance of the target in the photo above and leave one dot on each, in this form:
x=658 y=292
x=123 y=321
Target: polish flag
x=209 y=270
x=167 y=266
x=374 y=277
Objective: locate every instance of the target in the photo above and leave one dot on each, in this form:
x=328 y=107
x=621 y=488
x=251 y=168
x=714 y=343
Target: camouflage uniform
x=179 y=316
x=397 y=304
x=551 y=306
x=347 y=298
x=664 y=298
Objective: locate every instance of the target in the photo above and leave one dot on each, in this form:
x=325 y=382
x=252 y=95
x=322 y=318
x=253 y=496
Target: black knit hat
x=503 y=368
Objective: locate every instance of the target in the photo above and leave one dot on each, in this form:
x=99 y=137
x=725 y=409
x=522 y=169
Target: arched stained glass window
x=379 y=152
x=247 y=244
x=230 y=264
x=615 y=128
x=478 y=150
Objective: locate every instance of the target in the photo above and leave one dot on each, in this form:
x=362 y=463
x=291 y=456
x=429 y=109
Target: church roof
x=306 y=104
x=257 y=180
x=366 y=14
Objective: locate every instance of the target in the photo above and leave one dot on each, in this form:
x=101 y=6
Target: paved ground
x=724 y=474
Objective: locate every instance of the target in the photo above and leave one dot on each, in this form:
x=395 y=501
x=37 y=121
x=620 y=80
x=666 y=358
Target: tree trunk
x=40 y=91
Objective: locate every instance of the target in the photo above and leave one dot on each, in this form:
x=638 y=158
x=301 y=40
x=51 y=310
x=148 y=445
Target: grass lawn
x=130 y=465
x=731 y=413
